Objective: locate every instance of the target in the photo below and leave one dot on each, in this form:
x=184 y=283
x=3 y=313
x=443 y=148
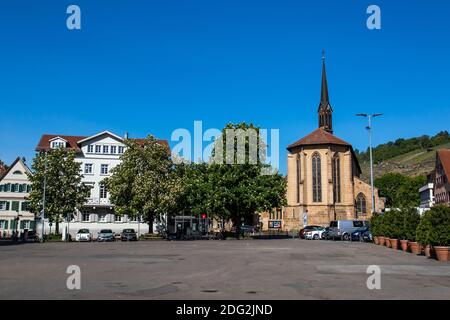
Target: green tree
x=64 y=191
x=409 y=218
x=144 y=183
x=400 y=190
x=245 y=184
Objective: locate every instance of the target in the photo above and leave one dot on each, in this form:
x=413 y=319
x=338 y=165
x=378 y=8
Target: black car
x=128 y=235
x=362 y=234
x=325 y=234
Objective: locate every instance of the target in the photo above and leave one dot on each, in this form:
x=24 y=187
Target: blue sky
x=155 y=66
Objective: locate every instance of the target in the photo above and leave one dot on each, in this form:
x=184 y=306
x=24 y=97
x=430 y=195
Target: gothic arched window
x=316 y=178
x=361 y=207
x=336 y=165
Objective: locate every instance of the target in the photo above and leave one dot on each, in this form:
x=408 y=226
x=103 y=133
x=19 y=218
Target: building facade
x=441 y=177
x=98 y=155
x=15 y=216
x=323 y=178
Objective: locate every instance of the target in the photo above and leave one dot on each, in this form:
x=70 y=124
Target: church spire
x=325 y=111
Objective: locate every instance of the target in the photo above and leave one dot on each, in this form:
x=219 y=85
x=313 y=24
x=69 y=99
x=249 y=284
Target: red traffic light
x=203 y=215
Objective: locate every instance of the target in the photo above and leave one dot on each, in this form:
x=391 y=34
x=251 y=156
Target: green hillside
x=398 y=156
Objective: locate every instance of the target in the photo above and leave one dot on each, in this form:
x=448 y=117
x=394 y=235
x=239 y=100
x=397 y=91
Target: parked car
x=128 y=235
x=106 y=235
x=314 y=234
x=30 y=236
x=83 y=235
x=342 y=229
x=243 y=229
x=301 y=233
x=362 y=234
x=326 y=234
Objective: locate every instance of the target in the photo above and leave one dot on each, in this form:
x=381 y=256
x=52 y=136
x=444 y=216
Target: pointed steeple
x=325 y=111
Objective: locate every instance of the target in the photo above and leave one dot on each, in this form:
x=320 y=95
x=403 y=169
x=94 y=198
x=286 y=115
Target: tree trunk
x=150 y=223
x=57 y=226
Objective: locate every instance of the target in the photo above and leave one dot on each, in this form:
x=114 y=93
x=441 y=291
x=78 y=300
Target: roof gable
x=17 y=166
x=318 y=137
x=99 y=135
x=444 y=158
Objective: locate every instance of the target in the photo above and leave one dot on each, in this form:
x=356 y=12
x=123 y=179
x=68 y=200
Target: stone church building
x=323 y=178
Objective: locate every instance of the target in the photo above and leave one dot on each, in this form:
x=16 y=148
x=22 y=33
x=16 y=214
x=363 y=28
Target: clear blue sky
x=154 y=66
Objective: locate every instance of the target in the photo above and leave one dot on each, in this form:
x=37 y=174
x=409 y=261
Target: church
x=323 y=178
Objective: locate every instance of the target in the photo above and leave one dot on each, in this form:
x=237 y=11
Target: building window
x=17 y=172
x=113 y=149
x=102 y=217
x=105 y=149
x=132 y=218
x=117 y=218
x=361 y=207
x=103 y=191
x=90 y=148
x=15 y=187
x=3 y=224
x=85 y=217
x=120 y=150
x=15 y=206
x=104 y=169
x=336 y=179
x=98 y=149
x=316 y=178
x=88 y=168
x=298 y=177
x=4 y=205
x=25 y=206
x=58 y=144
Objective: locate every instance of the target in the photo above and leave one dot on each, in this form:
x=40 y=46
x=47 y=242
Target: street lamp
x=43 y=198
x=369 y=128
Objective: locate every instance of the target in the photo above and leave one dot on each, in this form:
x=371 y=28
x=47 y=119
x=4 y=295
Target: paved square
x=253 y=269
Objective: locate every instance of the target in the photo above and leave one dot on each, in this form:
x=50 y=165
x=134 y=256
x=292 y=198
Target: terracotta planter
x=375 y=240
x=428 y=250
x=404 y=245
x=381 y=241
x=416 y=248
x=442 y=253
x=394 y=244
x=388 y=242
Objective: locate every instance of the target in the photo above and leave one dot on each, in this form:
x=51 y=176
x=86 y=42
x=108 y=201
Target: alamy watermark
x=237 y=146
x=73 y=281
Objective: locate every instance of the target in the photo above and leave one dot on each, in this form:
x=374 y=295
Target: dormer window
x=58 y=144
x=98 y=149
x=17 y=172
x=105 y=149
x=90 y=148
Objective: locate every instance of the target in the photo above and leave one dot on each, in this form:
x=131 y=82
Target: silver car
x=343 y=229
x=106 y=235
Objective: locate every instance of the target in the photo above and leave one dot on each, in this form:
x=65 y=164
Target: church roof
x=318 y=137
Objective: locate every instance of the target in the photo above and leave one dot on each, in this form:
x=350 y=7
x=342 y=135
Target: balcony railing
x=98 y=201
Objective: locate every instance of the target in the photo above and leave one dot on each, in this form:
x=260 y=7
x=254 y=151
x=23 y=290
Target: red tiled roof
x=318 y=136
x=444 y=156
x=72 y=142
x=44 y=143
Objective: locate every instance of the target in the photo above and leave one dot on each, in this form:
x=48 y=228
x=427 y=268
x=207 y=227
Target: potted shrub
x=392 y=229
x=381 y=231
x=439 y=217
x=375 y=227
x=423 y=233
x=410 y=221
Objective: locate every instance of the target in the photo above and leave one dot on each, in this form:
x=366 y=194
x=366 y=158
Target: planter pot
x=388 y=242
x=375 y=240
x=394 y=244
x=416 y=248
x=442 y=253
x=381 y=241
x=428 y=250
x=404 y=245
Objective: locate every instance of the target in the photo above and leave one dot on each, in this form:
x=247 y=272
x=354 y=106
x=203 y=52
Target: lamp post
x=369 y=128
x=43 y=198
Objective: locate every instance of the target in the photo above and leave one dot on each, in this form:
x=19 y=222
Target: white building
x=14 y=189
x=98 y=155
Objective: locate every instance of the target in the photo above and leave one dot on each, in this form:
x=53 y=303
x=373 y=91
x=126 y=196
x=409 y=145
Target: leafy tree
x=438 y=222
x=375 y=224
x=410 y=219
x=400 y=190
x=144 y=183
x=64 y=191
